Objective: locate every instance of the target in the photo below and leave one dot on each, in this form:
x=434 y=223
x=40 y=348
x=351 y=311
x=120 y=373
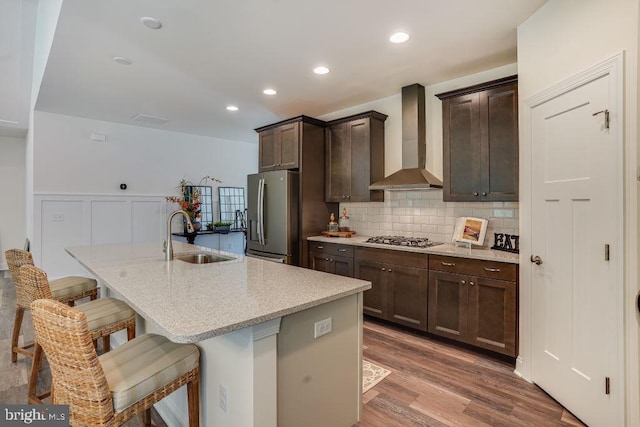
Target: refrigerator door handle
x=261 y=211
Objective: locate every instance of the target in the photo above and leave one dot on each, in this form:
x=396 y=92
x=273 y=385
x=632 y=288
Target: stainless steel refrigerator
x=273 y=216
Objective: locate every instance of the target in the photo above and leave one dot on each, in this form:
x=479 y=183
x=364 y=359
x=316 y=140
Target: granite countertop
x=190 y=302
x=447 y=249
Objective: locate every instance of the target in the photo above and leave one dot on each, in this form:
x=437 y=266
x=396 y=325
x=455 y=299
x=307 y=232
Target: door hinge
x=607 y=385
x=606 y=252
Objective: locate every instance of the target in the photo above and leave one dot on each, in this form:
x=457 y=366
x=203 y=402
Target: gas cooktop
x=418 y=242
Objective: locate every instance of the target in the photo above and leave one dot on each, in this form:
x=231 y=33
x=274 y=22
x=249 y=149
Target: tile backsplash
x=422 y=213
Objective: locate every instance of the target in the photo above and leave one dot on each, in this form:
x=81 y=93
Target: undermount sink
x=203 y=258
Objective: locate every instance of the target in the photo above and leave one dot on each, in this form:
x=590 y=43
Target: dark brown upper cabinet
x=280 y=143
x=354 y=158
x=480 y=142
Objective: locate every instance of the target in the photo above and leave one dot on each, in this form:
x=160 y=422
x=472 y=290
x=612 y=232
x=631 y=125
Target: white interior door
x=576 y=212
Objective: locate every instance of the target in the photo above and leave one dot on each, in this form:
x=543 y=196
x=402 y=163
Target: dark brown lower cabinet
x=398 y=285
x=331 y=258
x=481 y=311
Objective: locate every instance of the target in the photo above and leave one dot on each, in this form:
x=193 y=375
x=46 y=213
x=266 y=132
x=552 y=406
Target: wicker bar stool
x=105 y=316
x=66 y=289
x=110 y=389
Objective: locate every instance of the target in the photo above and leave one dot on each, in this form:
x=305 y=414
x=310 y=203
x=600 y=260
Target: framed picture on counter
x=470 y=230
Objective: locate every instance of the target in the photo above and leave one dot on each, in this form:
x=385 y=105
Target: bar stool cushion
x=105 y=311
x=131 y=376
x=71 y=285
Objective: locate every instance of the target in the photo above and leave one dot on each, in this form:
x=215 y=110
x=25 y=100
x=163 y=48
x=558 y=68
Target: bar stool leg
x=36 y=364
x=131 y=332
x=146 y=417
x=106 y=343
x=17 y=324
x=193 y=402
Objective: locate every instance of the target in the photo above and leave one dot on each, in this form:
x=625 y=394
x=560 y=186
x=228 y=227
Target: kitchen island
x=255 y=323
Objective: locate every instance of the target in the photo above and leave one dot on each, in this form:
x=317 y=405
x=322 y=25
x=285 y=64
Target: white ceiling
x=209 y=54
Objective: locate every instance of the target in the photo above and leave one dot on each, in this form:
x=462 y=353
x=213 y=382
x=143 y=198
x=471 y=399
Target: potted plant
x=189 y=200
x=222 y=226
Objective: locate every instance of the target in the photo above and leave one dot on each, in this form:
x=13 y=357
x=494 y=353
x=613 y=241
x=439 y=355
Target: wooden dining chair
x=110 y=389
x=66 y=289
x=105 y=316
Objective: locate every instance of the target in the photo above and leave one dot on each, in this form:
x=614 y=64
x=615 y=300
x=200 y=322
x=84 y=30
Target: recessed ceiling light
x=150 y=22
x=269 y=92
x=321 y=70
x=122 y=60
x=399 y=37
x=232 y=108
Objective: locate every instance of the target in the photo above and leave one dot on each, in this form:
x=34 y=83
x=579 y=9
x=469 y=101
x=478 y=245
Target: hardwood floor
x=439 y=384
x=431 y=384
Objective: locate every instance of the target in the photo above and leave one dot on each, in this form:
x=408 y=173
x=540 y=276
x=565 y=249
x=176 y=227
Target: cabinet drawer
x=390 y=256
x=331 y=249
x=474 y=267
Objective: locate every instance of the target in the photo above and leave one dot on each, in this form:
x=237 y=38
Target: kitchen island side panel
x=323 y=369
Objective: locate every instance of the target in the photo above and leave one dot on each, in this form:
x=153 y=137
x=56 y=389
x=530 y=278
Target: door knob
x=536 y=259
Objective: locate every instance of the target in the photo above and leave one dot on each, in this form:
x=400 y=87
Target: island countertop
x=191 y=302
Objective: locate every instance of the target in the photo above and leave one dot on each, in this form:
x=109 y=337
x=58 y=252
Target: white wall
x=46 y=23
x=563 y=38
x=76 y=181
x=149 y=161
x=392 y=106
x=12 y=194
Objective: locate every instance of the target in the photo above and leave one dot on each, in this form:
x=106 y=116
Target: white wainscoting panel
x=62 y=220
x=110 y=221
x=63 y=223
x=148 y=220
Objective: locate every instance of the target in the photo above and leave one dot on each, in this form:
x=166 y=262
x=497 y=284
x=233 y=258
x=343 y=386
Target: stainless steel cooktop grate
x=419 y=242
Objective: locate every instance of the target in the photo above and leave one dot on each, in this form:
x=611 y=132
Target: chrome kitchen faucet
x=168 y=245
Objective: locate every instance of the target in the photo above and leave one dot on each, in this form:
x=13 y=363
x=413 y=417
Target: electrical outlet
x=58 y=217
x=322 y=327
x=223 y=397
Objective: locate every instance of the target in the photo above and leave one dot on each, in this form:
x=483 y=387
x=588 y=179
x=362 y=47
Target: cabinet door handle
x=471 y=283
x=484 y=194
x=342 y=250
x=475 y=194
x=384 y=269
x=319 y=247
x=448 y=264
x=326 y=259
x=492 y=270
x=463 y=282
x=390 y=270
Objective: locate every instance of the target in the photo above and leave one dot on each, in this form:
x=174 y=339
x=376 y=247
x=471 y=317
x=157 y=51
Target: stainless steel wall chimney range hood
x=413 y=175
